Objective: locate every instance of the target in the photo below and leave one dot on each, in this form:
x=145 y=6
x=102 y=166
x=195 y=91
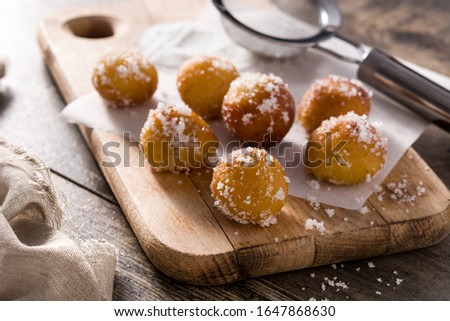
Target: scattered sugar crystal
x=334 y=266
x=341 y=284
x=315 y=205
x=286 y=118
x=379 y=280
x=279 y=195
x=314 y=184
x=269 y=221
x=364 y=210
x=420 y=190
x=398 y=281
x=311 y=224
x=313 y=275
x=246 y=119
x=377 y=188
x=371 y=265
x=378 y=292
x=390 y=185
x=329 y=211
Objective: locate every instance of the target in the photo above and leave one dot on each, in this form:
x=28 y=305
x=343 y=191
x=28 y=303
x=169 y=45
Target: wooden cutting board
x=173 y=216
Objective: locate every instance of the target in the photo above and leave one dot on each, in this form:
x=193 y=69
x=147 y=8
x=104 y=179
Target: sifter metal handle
x=404 y=85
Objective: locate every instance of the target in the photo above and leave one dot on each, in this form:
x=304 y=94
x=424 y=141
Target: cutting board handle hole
x=93 y=27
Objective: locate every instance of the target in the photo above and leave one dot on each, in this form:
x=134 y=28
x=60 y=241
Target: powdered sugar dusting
x=171 y=44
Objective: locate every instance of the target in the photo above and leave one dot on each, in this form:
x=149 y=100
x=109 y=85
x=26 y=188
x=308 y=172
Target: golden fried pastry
x=346 y=150
x=125 y=78
x=175 y=138
x=249 y=186
x=332 y=96
x=258 y=107
x=203 y=81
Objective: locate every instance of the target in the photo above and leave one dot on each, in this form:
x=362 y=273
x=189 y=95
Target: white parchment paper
x=168 y=45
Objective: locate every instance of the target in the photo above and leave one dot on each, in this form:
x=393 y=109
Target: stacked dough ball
x=343 y=148
x=248 y=185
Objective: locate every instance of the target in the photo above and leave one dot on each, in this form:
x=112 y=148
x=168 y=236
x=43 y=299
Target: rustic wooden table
x=416 y=30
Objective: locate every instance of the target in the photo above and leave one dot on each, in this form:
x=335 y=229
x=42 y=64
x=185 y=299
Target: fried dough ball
x=258 y=107
x=125 y=78
x=332 y=96
x=203 y=81
x=249 y=186
x=175 y=138
x=346 y=150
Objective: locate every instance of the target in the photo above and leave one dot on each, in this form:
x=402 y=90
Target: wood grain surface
x=425 y=273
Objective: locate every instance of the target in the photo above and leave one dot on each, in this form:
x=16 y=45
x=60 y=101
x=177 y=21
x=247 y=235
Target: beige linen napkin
x=37 y=261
